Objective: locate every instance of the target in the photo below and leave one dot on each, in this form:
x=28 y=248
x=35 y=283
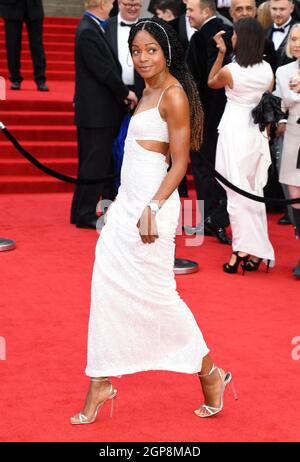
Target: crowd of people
x=108 y=86
x=192 y=79
x=107 y=83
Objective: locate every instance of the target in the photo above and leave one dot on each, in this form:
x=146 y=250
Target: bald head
x=242 y=9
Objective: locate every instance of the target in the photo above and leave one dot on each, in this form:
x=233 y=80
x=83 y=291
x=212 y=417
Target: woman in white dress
x=243 y=155
x=138 y=322
x=288 y=89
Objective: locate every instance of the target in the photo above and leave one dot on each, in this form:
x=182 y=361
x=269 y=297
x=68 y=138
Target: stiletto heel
x=226 y=378
x=232 y=269
x=234 y=393
x=112 y=406
x=81 y=418
x=253 y=265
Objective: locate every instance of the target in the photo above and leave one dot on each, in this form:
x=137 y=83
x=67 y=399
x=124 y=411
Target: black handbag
x=267 y=111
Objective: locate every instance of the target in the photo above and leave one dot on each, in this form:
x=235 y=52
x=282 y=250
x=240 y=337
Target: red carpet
x=249 y=323
x=41 y=122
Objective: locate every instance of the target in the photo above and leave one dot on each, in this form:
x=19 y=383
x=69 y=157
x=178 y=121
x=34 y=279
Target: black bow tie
x=278 y=29
x=124 y=24
x=281 y=29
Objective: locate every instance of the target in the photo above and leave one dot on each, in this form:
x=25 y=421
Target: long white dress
x=289 y=173
x=243 y=157
x=138 y=322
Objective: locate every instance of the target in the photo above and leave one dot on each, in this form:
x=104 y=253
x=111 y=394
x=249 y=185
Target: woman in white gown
x=243 y=155
x=288 y=89
x=138 y=322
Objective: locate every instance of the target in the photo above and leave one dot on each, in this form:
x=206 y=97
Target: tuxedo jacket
x=99 y=89
x=179 y=25
x=281 y=57
x=270 y=55
x=111 y=33
x=201 y=55
x=17 y=9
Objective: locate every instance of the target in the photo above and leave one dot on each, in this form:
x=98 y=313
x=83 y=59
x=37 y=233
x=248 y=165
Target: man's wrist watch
x=153 y=205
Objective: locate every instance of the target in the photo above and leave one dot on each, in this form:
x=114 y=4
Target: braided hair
x=166 y=36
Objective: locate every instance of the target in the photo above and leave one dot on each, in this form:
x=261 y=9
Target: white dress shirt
x=278 y=37
x=124 y=55
x=223 y=3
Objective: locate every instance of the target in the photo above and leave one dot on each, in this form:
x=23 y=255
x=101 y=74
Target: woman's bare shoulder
x=175 y=98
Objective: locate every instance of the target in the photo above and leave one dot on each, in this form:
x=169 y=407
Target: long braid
x=166 y=36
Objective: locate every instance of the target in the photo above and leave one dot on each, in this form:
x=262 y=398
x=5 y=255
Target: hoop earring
x=168 y=62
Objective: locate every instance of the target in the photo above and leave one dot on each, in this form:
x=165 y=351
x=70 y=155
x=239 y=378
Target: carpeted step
x=57 y=20
x=55 y=45
x=52 y=56
x=31 y=184
x=51 y=65
x=41 y=133
x=20 y=167
x=50 y=28
x=61 y=20
x=51 y=75
x=35 y=104
x=49 y=37
x=39 y=149
x=37 y=118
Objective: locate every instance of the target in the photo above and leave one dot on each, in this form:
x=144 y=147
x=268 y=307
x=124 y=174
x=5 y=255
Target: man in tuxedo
x=247 y=9
x=183 y=28
x=281 y=13
x=99 y=100
x=201 y=56
x=117 y=33
x=14 y=13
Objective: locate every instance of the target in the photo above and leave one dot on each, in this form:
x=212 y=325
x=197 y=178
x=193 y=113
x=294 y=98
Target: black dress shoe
x=42 y=87
x=15 y=86
x=285 y=220
x=218 y=231
x=296 y=270
x=87 y=224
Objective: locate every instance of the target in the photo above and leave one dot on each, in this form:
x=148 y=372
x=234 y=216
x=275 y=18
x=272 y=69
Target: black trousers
x=207 y=188
x=13 y=36
x=95 y=160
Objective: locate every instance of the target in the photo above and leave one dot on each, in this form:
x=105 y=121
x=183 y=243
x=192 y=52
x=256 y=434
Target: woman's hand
x=220 y=44
x=294 y=84
x=147 y=226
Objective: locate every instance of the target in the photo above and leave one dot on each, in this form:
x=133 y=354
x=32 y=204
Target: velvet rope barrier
x=68 y=179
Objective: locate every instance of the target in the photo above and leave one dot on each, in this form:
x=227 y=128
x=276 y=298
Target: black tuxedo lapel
x=104 y=39
x=112 y=34
x=182 y=29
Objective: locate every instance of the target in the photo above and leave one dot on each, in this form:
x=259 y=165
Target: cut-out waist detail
x=152 y=155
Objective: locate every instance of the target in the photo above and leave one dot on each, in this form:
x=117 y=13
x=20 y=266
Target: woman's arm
x=175 y=109
x=219 y=77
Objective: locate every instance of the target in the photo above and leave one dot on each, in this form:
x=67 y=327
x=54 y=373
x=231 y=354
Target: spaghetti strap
x=162 y=93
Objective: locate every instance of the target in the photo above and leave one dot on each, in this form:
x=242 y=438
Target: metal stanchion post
x=6 y=244
x=183 y=266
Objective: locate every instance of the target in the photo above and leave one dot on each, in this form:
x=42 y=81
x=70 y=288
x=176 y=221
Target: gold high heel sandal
x=226 y=378
x=81 y=418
